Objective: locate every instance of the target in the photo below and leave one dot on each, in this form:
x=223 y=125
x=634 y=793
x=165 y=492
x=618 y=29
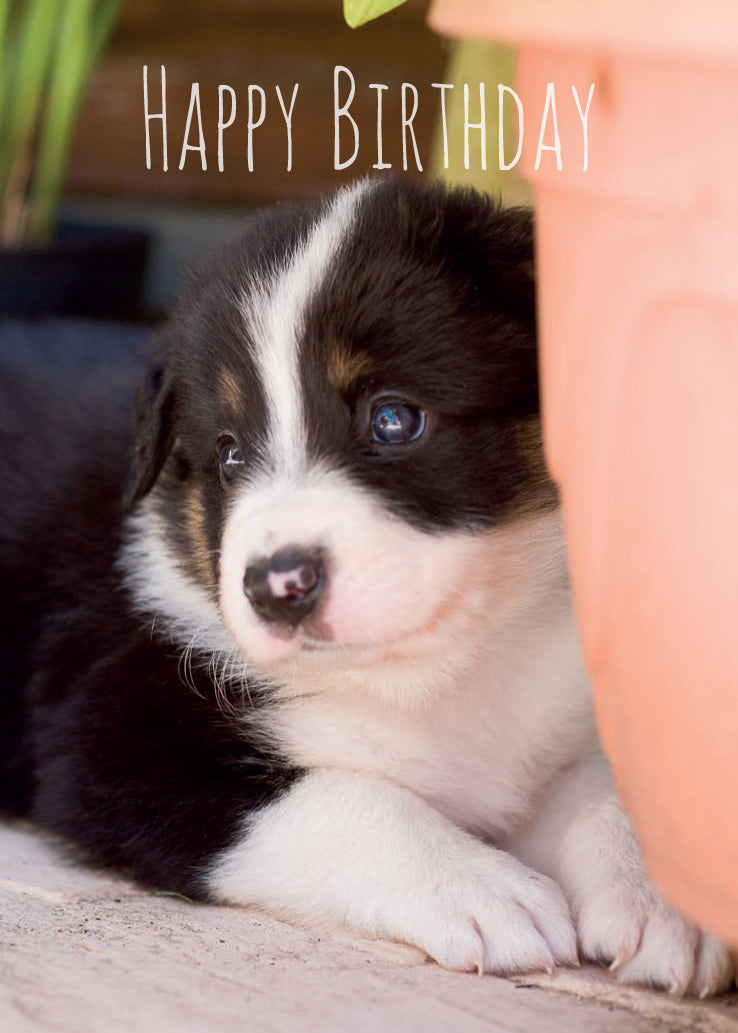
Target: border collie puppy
x=319 y=656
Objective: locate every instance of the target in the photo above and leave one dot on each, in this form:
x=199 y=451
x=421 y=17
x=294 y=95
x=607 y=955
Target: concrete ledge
x=82 y=952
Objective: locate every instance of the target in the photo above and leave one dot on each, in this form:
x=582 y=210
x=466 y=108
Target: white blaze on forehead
x=274 y=314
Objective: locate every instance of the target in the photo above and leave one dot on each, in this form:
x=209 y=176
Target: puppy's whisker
x=227 y=674
x=184 y=666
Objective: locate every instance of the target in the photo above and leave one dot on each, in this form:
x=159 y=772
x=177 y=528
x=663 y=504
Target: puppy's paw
x=373 y=857
x=498 y=917
x=627 y=926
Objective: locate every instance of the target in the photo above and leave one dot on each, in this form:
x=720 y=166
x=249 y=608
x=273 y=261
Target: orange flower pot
x=638 y=272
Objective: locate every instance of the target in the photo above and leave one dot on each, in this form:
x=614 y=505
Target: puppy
x=307 y=643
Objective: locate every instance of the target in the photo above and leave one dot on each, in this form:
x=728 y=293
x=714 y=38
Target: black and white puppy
x=323 y=661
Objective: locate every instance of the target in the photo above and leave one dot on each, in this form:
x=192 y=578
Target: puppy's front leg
x=582 y=838
x=343 y=848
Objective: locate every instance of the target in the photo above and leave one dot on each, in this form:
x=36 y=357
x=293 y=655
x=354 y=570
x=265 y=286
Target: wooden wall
x=237 y=43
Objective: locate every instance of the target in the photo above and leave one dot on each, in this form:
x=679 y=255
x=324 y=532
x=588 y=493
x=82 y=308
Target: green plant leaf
x=28 y=49
x=47 y=51
x=85 y=25
x=359 y=12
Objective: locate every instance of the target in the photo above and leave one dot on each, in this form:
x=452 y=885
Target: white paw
x=342 y=848
x=626 y=925
x=494 y=915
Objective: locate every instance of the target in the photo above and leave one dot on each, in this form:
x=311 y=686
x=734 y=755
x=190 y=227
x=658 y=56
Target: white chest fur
x=481 y=752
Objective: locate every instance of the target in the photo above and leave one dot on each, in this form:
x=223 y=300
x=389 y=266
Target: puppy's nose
x=285 y=587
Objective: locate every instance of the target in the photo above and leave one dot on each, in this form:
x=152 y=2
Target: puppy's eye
x=231 y=457
x=396 y=423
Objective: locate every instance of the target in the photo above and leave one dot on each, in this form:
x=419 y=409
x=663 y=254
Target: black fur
x=435 y=290
x=100 y=739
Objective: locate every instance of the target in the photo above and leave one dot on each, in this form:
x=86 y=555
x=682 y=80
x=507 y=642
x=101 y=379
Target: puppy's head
x=341 y=448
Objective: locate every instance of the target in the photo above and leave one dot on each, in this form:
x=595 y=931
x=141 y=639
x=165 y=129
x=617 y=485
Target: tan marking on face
x=344 y=368
x=196 y=524
x=230 y=392
x=540 y=493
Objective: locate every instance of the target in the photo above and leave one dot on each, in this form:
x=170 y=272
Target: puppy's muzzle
x=285 y=588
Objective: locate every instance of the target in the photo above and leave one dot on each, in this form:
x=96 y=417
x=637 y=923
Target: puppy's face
x=343 y=449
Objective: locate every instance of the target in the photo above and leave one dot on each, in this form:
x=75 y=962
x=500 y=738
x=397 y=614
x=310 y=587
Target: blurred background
x=211 y=42
x=72 y=128
x=237 y=42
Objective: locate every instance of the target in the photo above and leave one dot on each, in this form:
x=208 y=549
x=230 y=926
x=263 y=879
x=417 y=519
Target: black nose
x=285 y=587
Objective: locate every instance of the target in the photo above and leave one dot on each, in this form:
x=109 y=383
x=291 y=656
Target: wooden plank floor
x=82 y=952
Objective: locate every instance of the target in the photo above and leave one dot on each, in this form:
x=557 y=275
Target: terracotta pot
x=638 y=268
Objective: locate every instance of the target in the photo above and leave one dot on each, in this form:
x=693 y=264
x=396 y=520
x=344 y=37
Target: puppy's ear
x=491 y=246
x=154 y=431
